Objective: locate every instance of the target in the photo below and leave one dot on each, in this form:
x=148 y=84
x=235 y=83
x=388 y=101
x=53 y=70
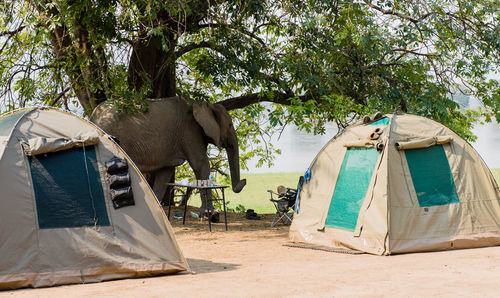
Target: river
x=299 y=148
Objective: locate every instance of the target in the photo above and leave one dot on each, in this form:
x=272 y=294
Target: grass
x=255 y=195
x=496 y=174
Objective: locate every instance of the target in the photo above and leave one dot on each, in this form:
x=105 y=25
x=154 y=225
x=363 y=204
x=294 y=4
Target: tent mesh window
x=350 y=189
x=68 y=189
x=431 y=176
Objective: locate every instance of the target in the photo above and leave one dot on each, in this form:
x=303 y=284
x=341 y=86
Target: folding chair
x=284 y=201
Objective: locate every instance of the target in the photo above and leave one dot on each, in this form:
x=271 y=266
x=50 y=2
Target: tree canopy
x=314 y=61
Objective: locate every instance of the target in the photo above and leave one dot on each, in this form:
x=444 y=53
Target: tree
x=314 y=61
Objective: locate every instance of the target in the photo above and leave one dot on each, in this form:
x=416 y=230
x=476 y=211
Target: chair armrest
x=273 y=193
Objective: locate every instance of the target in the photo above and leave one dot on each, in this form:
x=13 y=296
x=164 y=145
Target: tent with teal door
x=73 y=207
x=402 y=183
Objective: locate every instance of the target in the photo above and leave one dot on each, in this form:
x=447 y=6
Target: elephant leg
x=201 y=168
x=206 y=200
x=161 y=178
x=169 y=195
x=150 y=179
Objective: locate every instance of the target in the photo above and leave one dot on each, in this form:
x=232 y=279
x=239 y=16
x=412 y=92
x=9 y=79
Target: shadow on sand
x=236 y=223
x=199 y=266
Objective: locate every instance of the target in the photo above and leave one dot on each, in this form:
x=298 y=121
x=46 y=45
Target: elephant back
x=151 y=139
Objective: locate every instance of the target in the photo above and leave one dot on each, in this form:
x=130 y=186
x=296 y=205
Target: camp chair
x=284 y=201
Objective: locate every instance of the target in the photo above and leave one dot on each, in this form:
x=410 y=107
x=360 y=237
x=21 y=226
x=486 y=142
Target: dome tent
x=74 y=208
x=403 y=183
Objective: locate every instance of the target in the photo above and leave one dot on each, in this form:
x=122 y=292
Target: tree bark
x=150 y=64
x=246 y=100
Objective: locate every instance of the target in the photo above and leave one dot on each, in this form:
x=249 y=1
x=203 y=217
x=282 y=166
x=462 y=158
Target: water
x=488 y=143
x=299 y=148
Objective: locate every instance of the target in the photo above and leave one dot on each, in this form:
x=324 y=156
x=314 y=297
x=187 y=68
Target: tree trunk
x=150 y=64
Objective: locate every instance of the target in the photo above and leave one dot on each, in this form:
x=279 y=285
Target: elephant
x=171 y=132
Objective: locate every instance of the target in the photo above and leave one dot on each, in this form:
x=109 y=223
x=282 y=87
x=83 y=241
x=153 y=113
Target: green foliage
x=129 y=101
x=338 y=61
x=315 y=61
x=496 y=174
x=238 y=209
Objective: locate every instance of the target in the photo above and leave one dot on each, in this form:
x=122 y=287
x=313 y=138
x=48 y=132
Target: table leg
x=187 y=196
x=224 y=204
x=209 y=220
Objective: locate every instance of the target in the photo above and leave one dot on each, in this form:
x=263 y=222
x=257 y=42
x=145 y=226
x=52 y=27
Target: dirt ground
x=250 y=260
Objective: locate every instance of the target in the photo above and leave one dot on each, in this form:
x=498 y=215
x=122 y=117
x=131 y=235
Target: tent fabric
x=41 y=145
x=56 y=211
x=361 y=144
x=432 y=193
x=424 y=143
x=8 y=122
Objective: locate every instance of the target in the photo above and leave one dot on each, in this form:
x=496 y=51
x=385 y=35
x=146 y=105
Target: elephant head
x=218 y=127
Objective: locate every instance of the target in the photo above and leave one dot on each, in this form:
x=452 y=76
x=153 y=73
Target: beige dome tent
x=403 y=183
x=73 y=207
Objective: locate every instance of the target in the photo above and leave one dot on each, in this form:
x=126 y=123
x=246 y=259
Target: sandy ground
x=250 y=260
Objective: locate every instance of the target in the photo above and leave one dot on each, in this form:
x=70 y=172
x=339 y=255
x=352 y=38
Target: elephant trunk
x=233 y=157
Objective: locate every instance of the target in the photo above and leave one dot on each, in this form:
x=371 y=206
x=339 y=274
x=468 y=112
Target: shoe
x=252 y=215
x=249 y=213
x=214 y=217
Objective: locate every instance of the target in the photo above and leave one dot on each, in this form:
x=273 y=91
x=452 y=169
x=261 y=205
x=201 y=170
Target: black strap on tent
x=119 y=183
x=116 y=166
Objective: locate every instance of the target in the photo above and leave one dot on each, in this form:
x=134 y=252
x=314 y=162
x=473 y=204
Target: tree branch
x=61 y=94
x=187 y=48
x=392 y=12
x=13 y=32
x=220 y=50
x=252 y=35
x=249 y=99
x=414 y=53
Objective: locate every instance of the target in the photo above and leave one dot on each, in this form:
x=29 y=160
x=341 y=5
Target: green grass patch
x=255 y=196
x=496 y=174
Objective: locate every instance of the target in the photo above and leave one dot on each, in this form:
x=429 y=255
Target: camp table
x=189 y=189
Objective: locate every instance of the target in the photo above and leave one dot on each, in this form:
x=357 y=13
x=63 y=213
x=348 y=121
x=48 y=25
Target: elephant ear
x=205 y=117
